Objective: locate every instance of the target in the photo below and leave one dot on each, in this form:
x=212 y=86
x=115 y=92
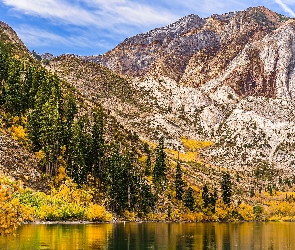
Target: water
x=248 y=235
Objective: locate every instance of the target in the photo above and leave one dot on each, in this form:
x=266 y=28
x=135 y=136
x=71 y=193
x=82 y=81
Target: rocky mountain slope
x=20 y=164
x=9 y=36
x=169 y=50
x=227 y=78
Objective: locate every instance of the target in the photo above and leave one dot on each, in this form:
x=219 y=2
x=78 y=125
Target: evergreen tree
x=159 y=173
x=252 y=192
x=78 y=152
x=45 y=122
x=206 y=196
x=213 y=199
x=14 y=88
x=117 y=177
x=226 y=188
x=130 y=180
x=28 y=101
x=188 y=199
x=4 y=65
x=147 y=199
x=179 y=183
x=148 y=159
x=98 y=144
x=69 y=111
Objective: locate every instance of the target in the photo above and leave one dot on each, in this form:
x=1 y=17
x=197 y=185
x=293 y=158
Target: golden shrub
x=40 y=155
x=61 y=175
x=12 y=212
x=15 y=119
x=175 y=215
x=129 y=216
x=277 y=210
x=192 y=216
x=18 y=133
x=151 y=217
x=187 y=156
x=246 y=212
x=193 y=145
x=97 y=212
x=222 y=211
x=157 y=216
x=48 y=212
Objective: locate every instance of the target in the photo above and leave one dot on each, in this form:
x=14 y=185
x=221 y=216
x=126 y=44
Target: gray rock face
x=136 y=55
x=47 y=56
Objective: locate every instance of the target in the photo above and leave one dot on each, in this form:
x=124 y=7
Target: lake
x=247 y=235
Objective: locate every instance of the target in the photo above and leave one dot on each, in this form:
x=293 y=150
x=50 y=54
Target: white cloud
x=98 y=20
x=129 y=12
x=98 y=13
x=285 y=8
x=34 y=37
x=54 y=9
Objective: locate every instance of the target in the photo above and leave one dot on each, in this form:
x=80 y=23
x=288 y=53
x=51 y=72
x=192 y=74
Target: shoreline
x=138 y=221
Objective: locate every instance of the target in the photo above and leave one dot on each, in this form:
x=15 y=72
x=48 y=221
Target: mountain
x=226 y=78
x=168 y=50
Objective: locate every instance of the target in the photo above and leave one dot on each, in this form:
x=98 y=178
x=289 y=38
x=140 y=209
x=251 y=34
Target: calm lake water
x=248 y=235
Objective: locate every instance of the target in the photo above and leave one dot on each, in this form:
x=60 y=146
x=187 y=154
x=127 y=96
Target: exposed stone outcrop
x=18 y=163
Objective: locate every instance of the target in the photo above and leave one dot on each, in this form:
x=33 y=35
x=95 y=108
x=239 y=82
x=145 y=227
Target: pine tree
x=116 y=183
x=206 y=196
x=148 y=159
x=147 y=199
x=98 y=144
x=4 y=65
x=252 y=192
x=188 y=199
x=14 y=88
x=159 y=173
x=213 y=199
x=69 y=111
x=226 y=188
x=179 y=183
x=78 y=152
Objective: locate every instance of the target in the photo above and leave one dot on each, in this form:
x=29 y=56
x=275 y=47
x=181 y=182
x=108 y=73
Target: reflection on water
x=271 y=235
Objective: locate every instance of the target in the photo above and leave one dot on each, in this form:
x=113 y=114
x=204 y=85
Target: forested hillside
x=70 y=149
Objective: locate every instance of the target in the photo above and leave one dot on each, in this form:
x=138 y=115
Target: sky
x=92 y=27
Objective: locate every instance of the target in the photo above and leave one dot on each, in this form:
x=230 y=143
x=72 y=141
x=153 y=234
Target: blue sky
x=91 y=27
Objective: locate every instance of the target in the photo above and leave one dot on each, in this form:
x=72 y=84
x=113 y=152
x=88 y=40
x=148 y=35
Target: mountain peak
x=170 y=48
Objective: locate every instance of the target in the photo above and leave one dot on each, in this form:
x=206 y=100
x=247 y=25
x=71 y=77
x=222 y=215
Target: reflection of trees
x=248 y=235
x=209 y=237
